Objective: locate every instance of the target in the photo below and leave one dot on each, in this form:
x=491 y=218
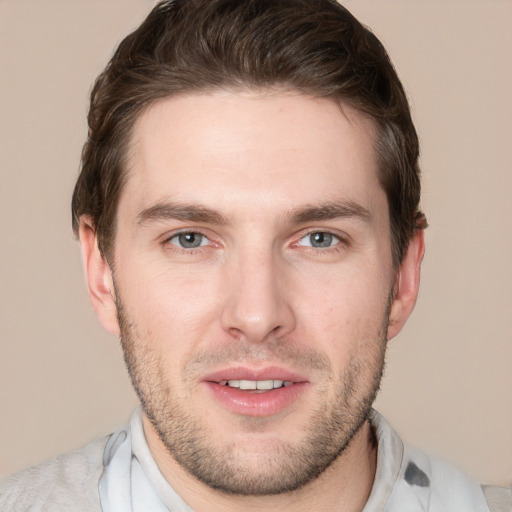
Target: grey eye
x=189 y=240
x=319 y=240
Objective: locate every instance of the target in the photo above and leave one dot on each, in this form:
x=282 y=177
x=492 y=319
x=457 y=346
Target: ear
x=406 y=286
x=98 y=277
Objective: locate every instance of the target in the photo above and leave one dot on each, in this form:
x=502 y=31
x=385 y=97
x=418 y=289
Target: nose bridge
x=257 y=304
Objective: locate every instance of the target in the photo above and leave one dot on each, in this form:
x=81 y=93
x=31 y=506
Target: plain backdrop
x=448 y=384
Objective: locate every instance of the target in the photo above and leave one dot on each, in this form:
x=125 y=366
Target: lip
x=252 y=403
x=245 y=373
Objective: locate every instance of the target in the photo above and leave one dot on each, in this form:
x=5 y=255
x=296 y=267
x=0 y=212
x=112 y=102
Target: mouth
x=256 y=385
x=256 y=393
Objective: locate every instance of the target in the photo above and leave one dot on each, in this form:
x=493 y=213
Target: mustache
x=283 y=353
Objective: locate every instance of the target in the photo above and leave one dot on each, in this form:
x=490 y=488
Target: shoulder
x=67 y=482
x=451 y=489
x=408 y=479
x=499 y=499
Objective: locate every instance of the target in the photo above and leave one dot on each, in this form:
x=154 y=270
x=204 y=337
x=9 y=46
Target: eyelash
x=187 y=250
x=341 y=242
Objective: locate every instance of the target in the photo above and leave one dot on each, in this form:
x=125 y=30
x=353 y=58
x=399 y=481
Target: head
x=190 y=46
x=248 y=212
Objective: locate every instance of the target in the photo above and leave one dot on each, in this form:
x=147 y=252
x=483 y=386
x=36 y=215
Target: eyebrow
x=198 y=213
x=177 y=211
x=330 y=211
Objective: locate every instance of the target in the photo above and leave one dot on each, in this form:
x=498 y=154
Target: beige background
x=448 y=385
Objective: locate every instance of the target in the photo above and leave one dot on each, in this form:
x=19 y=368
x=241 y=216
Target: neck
x=344 y=486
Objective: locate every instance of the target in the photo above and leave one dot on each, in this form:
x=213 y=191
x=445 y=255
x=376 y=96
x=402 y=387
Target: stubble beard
x=284 y=467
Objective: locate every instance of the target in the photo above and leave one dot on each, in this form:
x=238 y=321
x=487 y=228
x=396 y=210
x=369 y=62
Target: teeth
x=263 y=385
x=246 y=384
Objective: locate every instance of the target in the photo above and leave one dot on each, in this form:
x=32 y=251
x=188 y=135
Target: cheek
x=166 y=303
x=342 y=310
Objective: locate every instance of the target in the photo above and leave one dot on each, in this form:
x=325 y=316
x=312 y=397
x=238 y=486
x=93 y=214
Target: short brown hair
x=315 y=47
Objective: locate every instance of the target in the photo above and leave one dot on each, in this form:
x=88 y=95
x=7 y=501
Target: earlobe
x=98 y=277
x=406 y=286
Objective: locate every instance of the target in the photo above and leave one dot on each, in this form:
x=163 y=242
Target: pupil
x=321 y=240
x=190 y=240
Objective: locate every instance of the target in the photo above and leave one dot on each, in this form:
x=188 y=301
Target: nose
x=257 y=304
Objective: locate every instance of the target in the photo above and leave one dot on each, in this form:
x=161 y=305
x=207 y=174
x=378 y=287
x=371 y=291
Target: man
x=248 y=215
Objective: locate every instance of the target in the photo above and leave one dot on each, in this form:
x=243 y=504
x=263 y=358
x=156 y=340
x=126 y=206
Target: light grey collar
x=405 y=480
x=131 y=480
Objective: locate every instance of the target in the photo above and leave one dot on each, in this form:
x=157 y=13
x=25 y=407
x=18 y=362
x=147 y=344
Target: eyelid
x=178 y=235
x=166 y=239
x=342 y=239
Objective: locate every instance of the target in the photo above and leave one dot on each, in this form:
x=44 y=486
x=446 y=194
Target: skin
x=256 y=175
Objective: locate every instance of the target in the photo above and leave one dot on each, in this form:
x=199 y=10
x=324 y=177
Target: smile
x=249 y=392
x=255 y=385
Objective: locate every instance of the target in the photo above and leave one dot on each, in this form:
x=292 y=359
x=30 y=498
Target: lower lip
x=250 y=403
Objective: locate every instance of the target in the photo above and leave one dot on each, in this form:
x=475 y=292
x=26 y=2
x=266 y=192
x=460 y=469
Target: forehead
x=236 y=148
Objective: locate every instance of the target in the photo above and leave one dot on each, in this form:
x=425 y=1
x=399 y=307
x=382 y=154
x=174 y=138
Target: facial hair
x=344 y=402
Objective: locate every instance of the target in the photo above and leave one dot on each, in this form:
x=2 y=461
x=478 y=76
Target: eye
x=189 y=240
x=319 y=240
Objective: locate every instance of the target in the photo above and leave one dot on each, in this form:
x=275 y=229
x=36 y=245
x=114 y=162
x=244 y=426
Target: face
x=253 y=275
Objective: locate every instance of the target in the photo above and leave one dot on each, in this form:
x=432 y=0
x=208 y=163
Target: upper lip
x=245 y=373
